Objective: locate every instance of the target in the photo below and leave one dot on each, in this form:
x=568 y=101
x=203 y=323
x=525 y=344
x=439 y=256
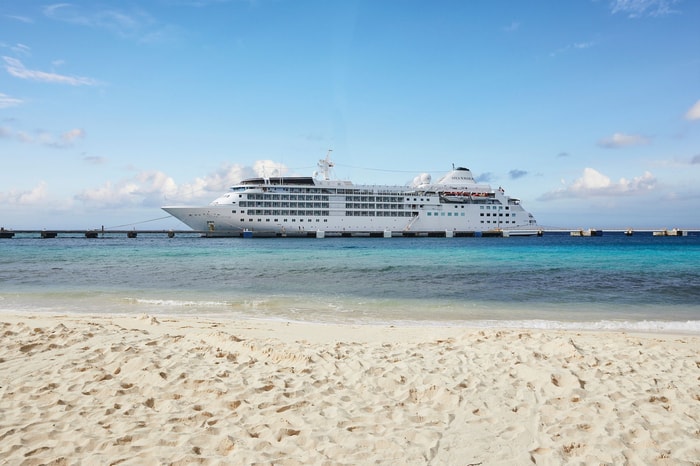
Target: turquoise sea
x=555 y=281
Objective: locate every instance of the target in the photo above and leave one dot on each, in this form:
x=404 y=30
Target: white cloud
x=640 y=8
x=17 y=69
x=74 y=14
x=573 y=48
x=155 y=188
x=63 y=141
x=6 y=101
x=51 y=10
x=110 y=194
x=23 y=136
x=151 y=189
x=623 y=140
x=23 y=19
x=135 y=23
x=694 y=112
x=34 y=196
x=21 y=49
x=268 y=168
x=145 y=188
x=95 y=160
x=69 y=137
x=592 y=183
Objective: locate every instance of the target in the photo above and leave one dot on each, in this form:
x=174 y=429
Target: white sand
x=143 y=390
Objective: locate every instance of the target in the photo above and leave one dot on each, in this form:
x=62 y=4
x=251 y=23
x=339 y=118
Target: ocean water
x=555 y=281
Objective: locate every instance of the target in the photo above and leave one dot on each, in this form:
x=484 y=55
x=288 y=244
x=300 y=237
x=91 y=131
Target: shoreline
x=128 y=389
x=686 y=327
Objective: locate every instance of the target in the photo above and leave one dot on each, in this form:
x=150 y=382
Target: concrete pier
x=95 y=233
x=101 y=233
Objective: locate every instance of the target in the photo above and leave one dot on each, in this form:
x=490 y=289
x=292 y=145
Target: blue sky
x=586 y=110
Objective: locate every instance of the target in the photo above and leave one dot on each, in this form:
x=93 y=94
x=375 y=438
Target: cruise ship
x=455 y=205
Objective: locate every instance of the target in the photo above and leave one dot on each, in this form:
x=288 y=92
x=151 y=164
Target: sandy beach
x=83 y=389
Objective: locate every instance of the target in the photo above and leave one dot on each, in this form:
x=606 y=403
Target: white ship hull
x=300 y=206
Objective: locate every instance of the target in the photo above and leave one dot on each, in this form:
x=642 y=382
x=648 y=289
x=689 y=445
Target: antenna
x=325 y=165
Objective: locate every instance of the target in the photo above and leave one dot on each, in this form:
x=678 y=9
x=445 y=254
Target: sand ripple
x=108 y=390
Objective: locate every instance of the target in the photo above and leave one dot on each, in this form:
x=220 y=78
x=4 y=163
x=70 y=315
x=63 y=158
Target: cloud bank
x=592 y=183
x=155 y=188
x=36 y=195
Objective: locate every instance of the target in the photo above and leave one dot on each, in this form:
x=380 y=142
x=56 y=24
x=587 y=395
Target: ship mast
x=325 y=165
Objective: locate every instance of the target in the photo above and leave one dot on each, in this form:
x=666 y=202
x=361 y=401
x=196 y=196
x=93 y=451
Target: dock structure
x=50 y=234
x=672 y=232
x=589 y=232
x=495 y=233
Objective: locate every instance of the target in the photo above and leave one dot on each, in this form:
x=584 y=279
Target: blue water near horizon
x=555 y=281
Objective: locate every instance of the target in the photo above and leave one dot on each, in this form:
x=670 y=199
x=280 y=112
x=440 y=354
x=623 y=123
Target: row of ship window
x=320 y=198
x=274 y=191
x=347 y=205
x=365 y=213
x=326 y=213
x=301 y=220
x=320 y=205
x=351 y=202
x=450 y=214
x=325 y=198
